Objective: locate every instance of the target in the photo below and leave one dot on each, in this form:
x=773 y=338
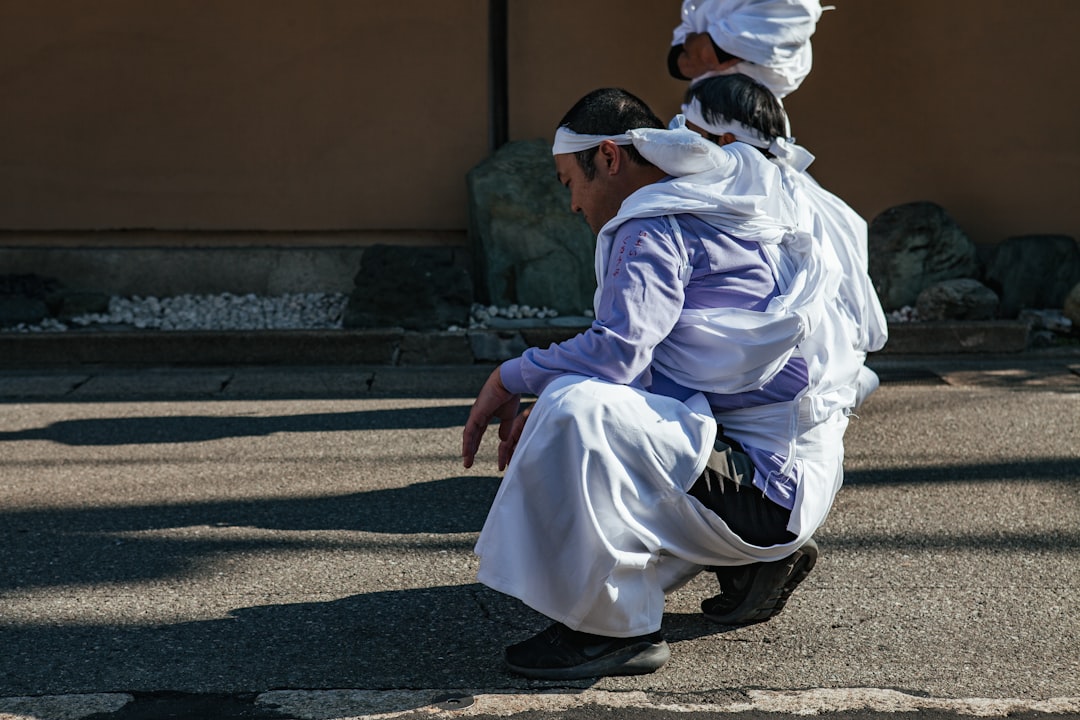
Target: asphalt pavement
x=296 y=542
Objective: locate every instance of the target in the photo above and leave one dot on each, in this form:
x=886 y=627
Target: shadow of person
x=442 y=637
x=434 y=637
x=683 y=627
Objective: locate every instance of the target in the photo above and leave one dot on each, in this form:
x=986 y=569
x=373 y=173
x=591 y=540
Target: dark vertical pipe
x=498 y=75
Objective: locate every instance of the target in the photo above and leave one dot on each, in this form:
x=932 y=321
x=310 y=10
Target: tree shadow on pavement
x=201 y=428
x=75 y=546
x=1034 y=469
x=442 y=636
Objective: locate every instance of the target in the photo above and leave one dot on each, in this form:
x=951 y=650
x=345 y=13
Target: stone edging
x=398 y=347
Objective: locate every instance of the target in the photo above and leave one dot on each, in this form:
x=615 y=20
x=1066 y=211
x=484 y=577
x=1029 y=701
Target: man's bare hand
x=509 y=444
x=493 y=401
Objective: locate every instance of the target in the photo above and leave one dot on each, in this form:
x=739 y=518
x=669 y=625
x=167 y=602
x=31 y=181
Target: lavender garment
x=642 y=299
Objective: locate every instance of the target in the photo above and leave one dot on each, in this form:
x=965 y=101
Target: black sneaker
x=754 y=593
x=560 y=653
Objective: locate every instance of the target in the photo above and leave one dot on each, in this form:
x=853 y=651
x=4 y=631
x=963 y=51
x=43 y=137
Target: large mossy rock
x=528 y=247
x=914 y=246
x=25 y=298
x=416 y=288
x=1034 y=272
x=962 y=299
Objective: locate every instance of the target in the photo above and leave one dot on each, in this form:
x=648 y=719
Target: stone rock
x=69 y=304
x=1072 y=306
x=1034 y=271
x=962 y=299
x=528 y=247
x=415 y=288
x=496 y=345
x=17 y=309
x=434 y=348
x=912 y=247
x=958 y=336
x=25 y=298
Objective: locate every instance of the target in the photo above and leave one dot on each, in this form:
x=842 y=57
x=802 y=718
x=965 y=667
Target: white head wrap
x=742 y=133
x=677 y=150
x=680 y=151
x=783 y=149
x=568 y=141
x=772 y=37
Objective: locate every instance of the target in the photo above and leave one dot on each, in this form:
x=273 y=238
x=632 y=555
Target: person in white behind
x=768 y=40
x=736 y=108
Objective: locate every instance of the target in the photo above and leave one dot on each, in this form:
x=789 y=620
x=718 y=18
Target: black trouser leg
x=725 y=488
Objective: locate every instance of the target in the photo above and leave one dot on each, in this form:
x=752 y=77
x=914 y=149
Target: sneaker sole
x=772 y=586
x=639 y=659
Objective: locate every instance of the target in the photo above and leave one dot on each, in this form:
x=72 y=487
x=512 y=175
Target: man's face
x=698 y=56
x=596 y=199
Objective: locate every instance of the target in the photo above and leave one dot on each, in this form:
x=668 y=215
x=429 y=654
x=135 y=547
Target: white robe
x=592 y=524
x=843 y=233
x=826 y=216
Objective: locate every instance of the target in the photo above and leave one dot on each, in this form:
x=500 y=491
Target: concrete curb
x=346 y=704
x=399 y=347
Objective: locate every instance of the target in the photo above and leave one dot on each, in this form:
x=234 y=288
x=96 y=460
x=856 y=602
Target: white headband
x=784 y=149
x=742 y=133
x=568 y=141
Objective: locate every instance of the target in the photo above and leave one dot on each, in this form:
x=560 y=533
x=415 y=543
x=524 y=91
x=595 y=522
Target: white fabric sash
x=733 y=350
x=681 y=152
x=730 y=350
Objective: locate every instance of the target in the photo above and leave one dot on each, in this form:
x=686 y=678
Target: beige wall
x=240 y=114
x=562 y=49
x=352 y=115
x=972 y=104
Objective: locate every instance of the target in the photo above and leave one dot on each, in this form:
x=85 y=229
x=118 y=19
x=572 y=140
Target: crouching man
x=684 y=430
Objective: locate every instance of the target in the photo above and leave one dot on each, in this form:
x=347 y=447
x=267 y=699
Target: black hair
x=608 y=111
x=741 y=99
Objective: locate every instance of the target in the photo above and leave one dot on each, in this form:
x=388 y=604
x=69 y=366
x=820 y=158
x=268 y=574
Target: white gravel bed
x=300 y=311
x=227 y=311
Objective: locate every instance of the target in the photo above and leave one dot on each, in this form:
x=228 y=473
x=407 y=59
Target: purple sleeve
x=640 y=303
x=510 y=374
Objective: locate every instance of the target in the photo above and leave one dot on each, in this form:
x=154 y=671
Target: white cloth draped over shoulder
x=772 y=37
x=731 y=350
x=829 y=220
x=592 y=524
x=725 y=350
